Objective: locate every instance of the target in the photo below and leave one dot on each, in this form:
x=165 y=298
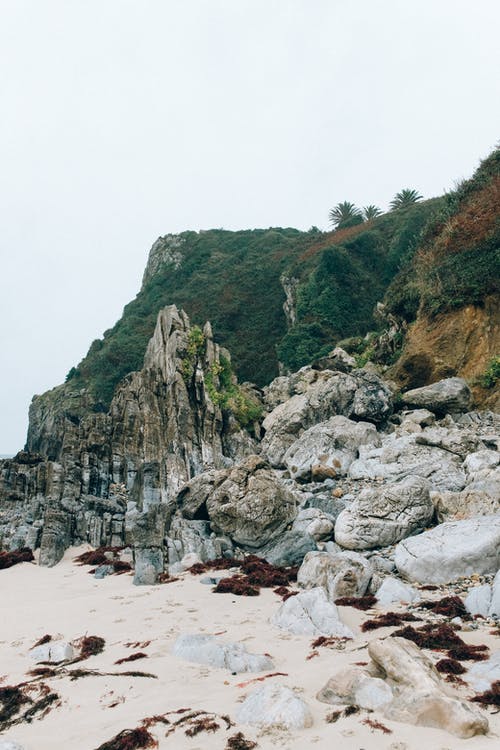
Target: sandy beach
x=66 y=602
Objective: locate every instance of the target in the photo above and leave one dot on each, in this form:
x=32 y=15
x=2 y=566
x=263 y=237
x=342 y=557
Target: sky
x=123 y=120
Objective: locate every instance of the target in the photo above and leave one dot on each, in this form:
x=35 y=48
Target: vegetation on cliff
x=423 y=257
x=458 y=261
x=233 y=280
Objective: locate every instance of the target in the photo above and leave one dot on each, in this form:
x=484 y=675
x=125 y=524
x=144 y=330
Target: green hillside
x=233 y=280
x=458 y=258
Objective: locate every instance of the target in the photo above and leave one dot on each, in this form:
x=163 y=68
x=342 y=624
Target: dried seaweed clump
x=239 y=742
x=438 y=637
x=387 y=620
x=262 y=573
x=132 y=657
x=449 y=606
x=130 y=739
x=255 y=573
x=359 y=602
x=43 y=640
x=443 y=637
x=16 y=556
x=220 y=563
x=468 y=653
x=328 y=640
x=194 y=722
x=17 y=704
x=490 y=697
x=104 y=556
x=90 y=645
x=450 y=666
x=201 y=724
x=12 y=698
x=237 y=585
x=377 y=725
x=42 y=672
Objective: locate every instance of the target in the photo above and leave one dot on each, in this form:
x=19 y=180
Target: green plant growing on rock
x=491 y=374
x=196 y=343
x=228 y=395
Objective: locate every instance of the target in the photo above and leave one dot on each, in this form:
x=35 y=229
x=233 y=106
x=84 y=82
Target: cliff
x=163 y=427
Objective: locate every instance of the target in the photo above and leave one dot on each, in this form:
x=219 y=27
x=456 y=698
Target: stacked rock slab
x=84 y=464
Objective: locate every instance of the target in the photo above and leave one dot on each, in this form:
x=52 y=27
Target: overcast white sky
x=121 y=120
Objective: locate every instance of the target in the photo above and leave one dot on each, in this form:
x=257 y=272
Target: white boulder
x=275 y=705
x=394 y=591
x=53 y=652
x=207 y=649
x=310 y=613
x=341 y=574
x=451 y=550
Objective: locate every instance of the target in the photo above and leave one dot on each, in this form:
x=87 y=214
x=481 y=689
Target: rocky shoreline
x=374 y=500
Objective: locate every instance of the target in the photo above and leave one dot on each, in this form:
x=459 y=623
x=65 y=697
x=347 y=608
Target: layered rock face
x=168 y=471
x=79 y=475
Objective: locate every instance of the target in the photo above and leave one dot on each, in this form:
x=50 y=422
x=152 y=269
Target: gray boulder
x=401 y=456
x=358 y=395
x=56 y=536
x=207 y=649
x=310 y=613
x=6 y=744
x=252 y=505
x=288 y=549
x=315 y=523
x=451 y=550
x=275 y=705
x=195 y=537
x=382 y=516
x=327 y=502
x=342 y=574
x=327 y=449
x=449 y=395
x=148 y=564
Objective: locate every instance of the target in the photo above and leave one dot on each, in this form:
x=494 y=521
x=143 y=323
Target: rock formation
x=83 y=476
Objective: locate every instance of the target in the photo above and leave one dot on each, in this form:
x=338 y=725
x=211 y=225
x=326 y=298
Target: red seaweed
x=239 y=742
x=359 y=602
x=130 y=739
x=16 y=556
x=450 y=666
x=43 y=640
x=377 y=725
x=90 y=645
x=449 y=606
x=490 y=697
x=237 y=585
x=387 y=620
x=132 y=657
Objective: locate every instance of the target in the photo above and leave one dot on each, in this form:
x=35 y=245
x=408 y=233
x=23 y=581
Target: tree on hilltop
x=405 y=198
x=371 y=212
x=345 y=214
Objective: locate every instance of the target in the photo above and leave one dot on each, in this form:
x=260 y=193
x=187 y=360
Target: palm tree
x=343 y=212
x=371 y=212
x=405 y=198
